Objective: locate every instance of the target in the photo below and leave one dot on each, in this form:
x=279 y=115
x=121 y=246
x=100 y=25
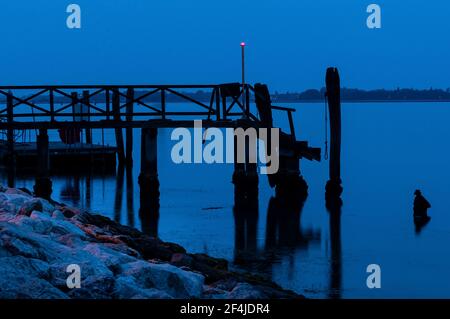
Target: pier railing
x=100 y=106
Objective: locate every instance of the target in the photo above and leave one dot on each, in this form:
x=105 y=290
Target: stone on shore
x=39 y=239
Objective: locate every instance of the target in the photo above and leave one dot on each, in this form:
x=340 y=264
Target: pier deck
x=74 y=156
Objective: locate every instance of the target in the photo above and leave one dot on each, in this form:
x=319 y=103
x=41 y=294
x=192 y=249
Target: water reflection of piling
x=334 y=209
x=11 y=175
x=71 y=189
x=149 y=217
x=284 y=232
x=245 y=211
x=284 y=228
x=130 y=195
x=119 y=193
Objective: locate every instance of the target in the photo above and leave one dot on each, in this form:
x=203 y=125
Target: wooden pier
x=90 y=107
x=74 y=157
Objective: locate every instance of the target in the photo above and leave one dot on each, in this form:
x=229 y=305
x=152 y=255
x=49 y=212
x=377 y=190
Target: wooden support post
x=333 y=86
x=291 y=125
x=163 y=103
x=74 y=96
x=217 y=96
x=251 y=168
x=245 y=175
x=148 y=178
x=86 y=109
x=43 y=184
x=52 y=105
x=11 y=159
x=129 y=130
x=224 y=103
x=118 y=131
x=107 y=102
x=149 y=182
x=10 y=131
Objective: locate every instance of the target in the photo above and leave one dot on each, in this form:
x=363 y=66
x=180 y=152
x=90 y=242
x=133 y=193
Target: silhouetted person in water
x=421 y=206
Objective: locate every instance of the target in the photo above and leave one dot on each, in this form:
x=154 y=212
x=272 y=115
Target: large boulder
x=173 y=280
x=127 y=288
x=26 y=278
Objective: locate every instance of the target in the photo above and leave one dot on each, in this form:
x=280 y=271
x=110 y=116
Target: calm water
x=389 y=150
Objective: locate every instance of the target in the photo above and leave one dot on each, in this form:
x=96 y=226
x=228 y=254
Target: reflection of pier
x=284 y=232
x=284 y=229
x=334 y=210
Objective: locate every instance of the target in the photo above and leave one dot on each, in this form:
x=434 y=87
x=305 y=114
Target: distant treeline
x=312 y=95
x=355 y=95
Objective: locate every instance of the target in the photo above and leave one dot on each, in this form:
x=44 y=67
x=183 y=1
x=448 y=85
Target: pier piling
x=10 y=130
x=148 y=178
x=129 y=130
x=118 y=131
x=74 y=97
x=43 y=184
x=85 y=108
x=333 y=189
x=245 y=175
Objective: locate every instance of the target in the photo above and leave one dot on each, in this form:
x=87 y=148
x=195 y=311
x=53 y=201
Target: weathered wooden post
x=11 y=158
x=51 y=102
x=334 y=188
x=163 y=103
x=245 y=175
x=148 y=178
x=10 y=131
x=74 y=97
x=118 y=130
x=43 y=184
x=129 y=130
x=86 y=109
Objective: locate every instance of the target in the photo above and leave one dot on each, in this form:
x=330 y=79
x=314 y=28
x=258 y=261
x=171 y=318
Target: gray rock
x=57 y=214
x=176 y=282
x=127 y=288
x=110 y=257
x=18 y=247
x=94 y=287
x=26 y=278
x=29 y=206
x=246 y=291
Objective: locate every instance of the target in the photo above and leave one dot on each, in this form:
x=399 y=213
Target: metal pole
x=243 y=73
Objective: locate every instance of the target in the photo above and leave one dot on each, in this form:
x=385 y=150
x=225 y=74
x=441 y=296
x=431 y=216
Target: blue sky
x=290 y=42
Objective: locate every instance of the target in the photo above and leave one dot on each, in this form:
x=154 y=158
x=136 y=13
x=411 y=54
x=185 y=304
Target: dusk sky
x=290 y=42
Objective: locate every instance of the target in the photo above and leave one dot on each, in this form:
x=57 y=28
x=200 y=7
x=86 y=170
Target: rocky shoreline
x=40 y=239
